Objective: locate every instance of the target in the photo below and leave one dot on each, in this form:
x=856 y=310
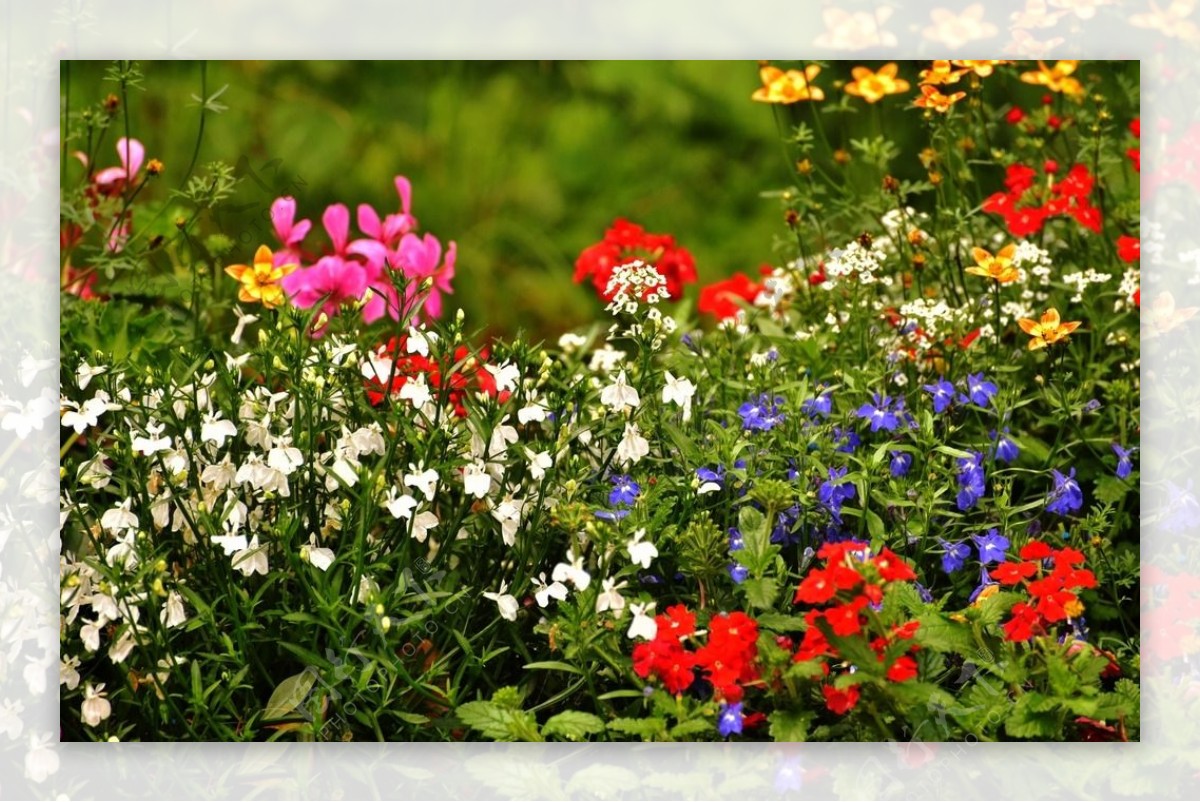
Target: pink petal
x=368 y=221
x=283 y=213
x=131 y=153
x=404 y=190
x=337 y=224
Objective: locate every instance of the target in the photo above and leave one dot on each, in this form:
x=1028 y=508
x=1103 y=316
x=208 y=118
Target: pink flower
x=289 y=232
x=331 y=282
x=422 y=258
x=112 y=181
x=389 y=230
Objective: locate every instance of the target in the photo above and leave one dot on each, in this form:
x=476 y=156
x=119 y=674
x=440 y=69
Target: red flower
x=906 y=630
x=840 y=701
x=1007 y=573
x=903 y=669
x=624 y=242
x=892 y=568
x=1035 y=550
x=844 y=619
x=677 y=622
x=1135 y=156
x=1129 y=249
x=1019 y=178
x=719 y=299
x=1015 y=115
x=1020 y=626
x=1135 y=127
x=817 y=588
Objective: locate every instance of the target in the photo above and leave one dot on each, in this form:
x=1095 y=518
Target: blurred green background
x=524 y=164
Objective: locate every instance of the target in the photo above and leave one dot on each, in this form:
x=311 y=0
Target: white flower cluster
x=632 y=285
x=1080 y=280
x=855 y=261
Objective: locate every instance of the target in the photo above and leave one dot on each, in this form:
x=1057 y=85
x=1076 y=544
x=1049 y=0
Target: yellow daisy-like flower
x=1047 y=331
x=982 y=68
x=998 y=267
x=934 y=100
x=787 y=87
x=260 y=281
x=875 y=86
x=941 y=73
x=1057 y=78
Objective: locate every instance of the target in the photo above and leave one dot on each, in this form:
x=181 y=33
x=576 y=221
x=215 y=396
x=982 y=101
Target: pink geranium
x=113 y=180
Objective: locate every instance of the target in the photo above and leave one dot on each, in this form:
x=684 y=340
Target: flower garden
x=882 y=487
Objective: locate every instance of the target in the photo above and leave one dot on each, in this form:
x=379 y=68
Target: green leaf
x=646 y=728
x=790 y=725
x=874 y=524
x=780 y=623
x=1110 y=489
x=573 y=725
x=761 y=593
x=488 y=719
x=1028 y=720
x=555 y=665
x=290 y=694
x=693 y=726
x=939 y=633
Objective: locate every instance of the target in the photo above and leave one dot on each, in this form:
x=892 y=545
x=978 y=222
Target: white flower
x=41 y=760
x=252 y=559
x=319 y=557
x=610 y=597
x=507 y=603
x=89 y=633
x=68 y=672
x=422 y=524
x=502 y=436
x=243 y=321
x=173 y=613
x=425 y=481
x=24 y=418
x=30 y=367
x=124 y=645
x=572 y=571
x=400 y=506
x=284 y=457
x=643 y=624
x=11 y=723
x=123 y=551
x=539 y=463
x=476 y=480
x=632 y=446
x=531 y=412
x=418 y=341
x=619 y=395
x=679 y=391
x=119 y=518
x=571 y=342
x=231 y=544
x=343 y=470
x=508 y=513
x=506 y=375
x=544 y=593
x=89 y=414
x=216 y=430
x=641 y=551
x=95 y=707
x=416 y=391
x=152 y=443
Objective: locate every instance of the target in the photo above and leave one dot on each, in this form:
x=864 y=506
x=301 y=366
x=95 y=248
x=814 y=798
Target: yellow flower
x=874 y=86
x=941 y=73
x=1048 y=331
x=982 y=68
x=998 y=267
x=932 y=99
x=788 y=87
x=260 y=281
x=1057 y=78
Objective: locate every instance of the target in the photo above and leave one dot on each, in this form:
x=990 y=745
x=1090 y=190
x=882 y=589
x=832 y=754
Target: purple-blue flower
x=625 y=491
x=879 y=413
x=833 y=493
x=822 y=406
x=1124 y=461
x=1066 y=496
x=984 y=581
x=709 y=475
x=738 y=572
x=730 y=719
x=991 y=545
x=955 y=555
x=971 y=481
x=901 y=462
x=943 y=394
x=612 y=515
x=762 y=413
x=979 y=390
x=735 y=539
x=846 y=439
x=1006 y=449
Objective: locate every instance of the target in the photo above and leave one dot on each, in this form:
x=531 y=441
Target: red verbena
x=625 y=242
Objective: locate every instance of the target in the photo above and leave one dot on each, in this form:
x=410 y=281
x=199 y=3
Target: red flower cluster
x=1051 y=593
x=719 y=299
x=1129 y=249
x=392 y=360
x=728 y=659
x=1135 y=153
x=624 y=242
x=1028 y=203
x=842 y=586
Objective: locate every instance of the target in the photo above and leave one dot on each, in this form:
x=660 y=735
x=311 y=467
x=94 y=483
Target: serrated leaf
x=645 y=728
x=939 y=633
x=761 y=593
x=488 y=719
x=790 y=725
x=573 y=725
x=693 y=726
x=289 y=695
x=780 y=623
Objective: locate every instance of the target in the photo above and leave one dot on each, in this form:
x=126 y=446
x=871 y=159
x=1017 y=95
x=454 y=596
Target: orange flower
x=934 y=100
x=260 y=281
x=941 y=73
x=1057 y=78
x=998 y=267
x=982 y=68
x=875 y=86
x=787 y=87
x=1048 y=331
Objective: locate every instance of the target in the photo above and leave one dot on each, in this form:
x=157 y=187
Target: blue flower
x=956 y=554
x=1092 y=406
x=846 y=439
x=1006 y=450
x=822 y=406
x=611 y=515
x=738 y=573
x=730 y=719
x=979 y=391
x=984 y=580
x=971 y=481
x=1066 y=497
x=1124 y=463
x=879 y=413
x=901 y=462
x=735 y=539
x=709 y=475
x=625 y=491
x=924 y=593
x=782 y=534
x=833 y=493
x=991 y=545
x=943 y=394
x=761 y=414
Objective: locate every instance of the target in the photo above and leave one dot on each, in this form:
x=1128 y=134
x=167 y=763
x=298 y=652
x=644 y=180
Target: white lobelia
x=643 y=624
x=544 y=593
x=679 y=391
x=95 y=707
x=252 y=559
x=476 y=480
x=423 y=480
x=319 y=557
x=632 y=446
x=610 y=597
x=400 y=506
x=507 y=603
x=539 y=463
x=641 y=552
x=619 y=395
x=572 y=571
